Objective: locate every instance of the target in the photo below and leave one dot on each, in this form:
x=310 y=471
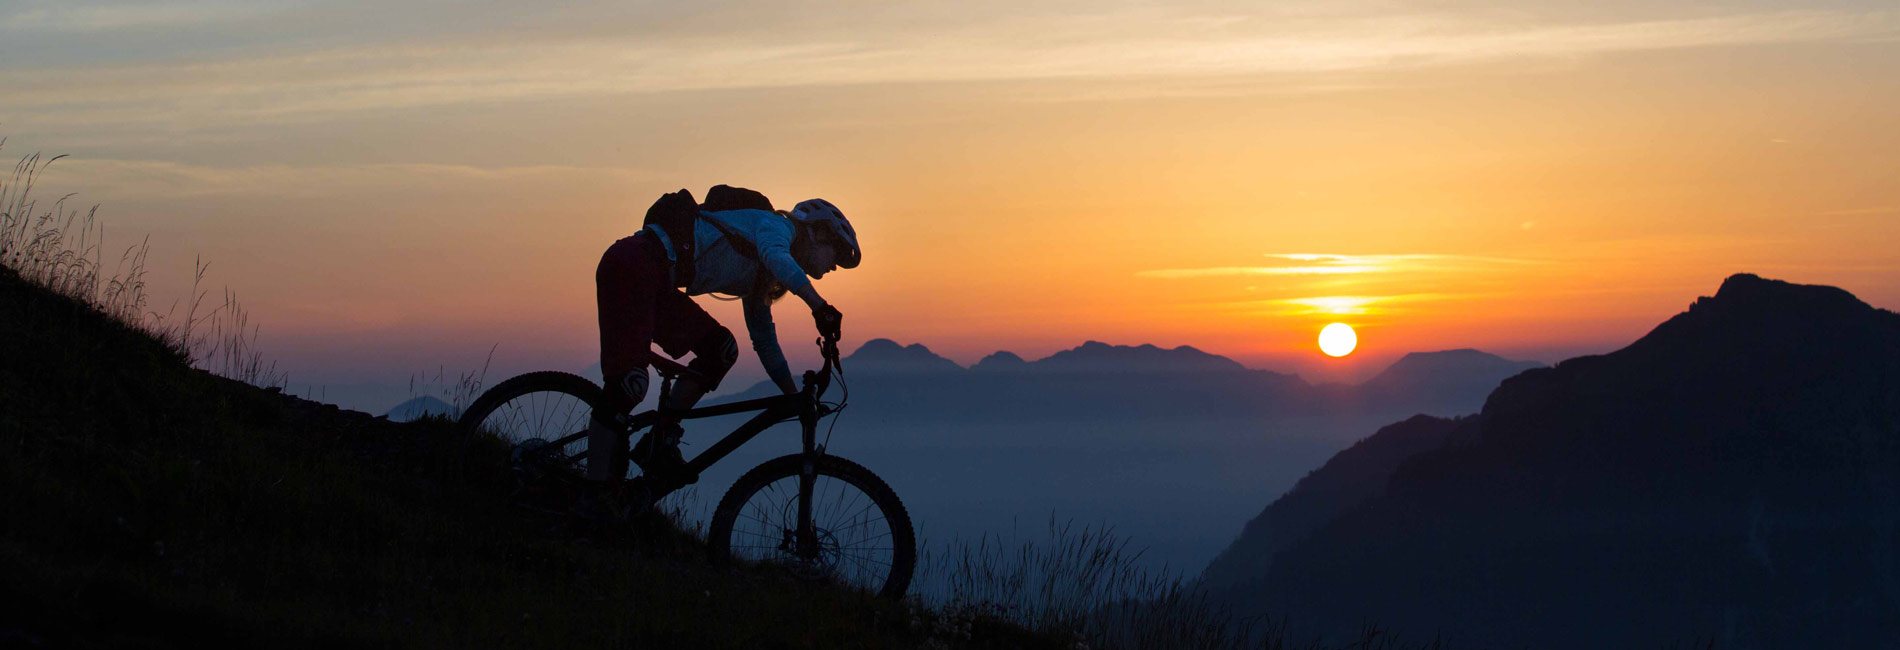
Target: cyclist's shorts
x=639 y=307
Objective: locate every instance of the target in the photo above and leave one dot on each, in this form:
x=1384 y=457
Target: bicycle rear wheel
x=863 y=535
x=542 y=414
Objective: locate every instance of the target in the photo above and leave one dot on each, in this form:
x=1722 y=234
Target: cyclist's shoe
x=658 y=454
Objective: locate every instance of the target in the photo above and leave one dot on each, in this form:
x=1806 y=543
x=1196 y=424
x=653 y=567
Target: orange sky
x=1532 y=181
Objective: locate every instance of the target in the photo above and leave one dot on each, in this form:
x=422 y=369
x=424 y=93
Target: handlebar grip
x=828 y=346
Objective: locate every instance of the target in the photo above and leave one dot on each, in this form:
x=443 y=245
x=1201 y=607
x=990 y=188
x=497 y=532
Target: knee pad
x=714 y=355
x=626 y=391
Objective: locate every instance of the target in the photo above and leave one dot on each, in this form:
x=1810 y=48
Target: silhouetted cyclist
x=642 y=289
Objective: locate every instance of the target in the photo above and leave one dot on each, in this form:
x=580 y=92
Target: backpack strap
x=738 y=242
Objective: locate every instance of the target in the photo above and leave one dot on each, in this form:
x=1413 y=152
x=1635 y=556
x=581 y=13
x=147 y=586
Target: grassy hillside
x=144 y=503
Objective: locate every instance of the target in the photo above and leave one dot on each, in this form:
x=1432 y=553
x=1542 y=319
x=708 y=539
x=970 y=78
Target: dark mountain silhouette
x=1096 y=381
x=1096 y=356
x=886 y=357
x=1348 y=479
x=1731 y=476
x=416 y=408
x=1001 y=361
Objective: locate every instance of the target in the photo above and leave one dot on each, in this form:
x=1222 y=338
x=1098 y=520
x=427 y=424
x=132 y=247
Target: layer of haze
x=393 y=187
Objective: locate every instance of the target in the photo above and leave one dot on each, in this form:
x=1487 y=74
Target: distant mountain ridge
x=1732 y=476
x=1097 y=380
x=885 y=356
x=1096 y=356
x=1091 y=356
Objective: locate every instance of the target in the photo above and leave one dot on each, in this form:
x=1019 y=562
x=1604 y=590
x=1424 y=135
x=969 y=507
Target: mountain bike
x=822 y=516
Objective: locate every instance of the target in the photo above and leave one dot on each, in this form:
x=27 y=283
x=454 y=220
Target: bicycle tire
x=552 y=405
x=903 y=551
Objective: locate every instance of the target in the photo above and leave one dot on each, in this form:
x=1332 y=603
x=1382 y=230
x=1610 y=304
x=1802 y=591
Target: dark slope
x=1349 y=478
x=1730 y=476
x=146 y=504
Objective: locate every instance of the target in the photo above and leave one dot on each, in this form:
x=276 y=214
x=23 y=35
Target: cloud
x=1226 y=271
x=1153 y=43
x=82 y=18
x=1331 y=264
x=1861 y=211
x=1349 y=305
x=149 y=179
x=1352 y=305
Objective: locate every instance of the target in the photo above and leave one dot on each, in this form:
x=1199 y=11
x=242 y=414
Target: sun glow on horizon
x=1338 y=340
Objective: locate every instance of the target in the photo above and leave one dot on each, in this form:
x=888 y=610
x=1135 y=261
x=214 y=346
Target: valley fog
x=1180 y=490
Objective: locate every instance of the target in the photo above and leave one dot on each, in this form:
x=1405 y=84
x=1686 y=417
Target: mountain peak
x=1001 y=360
x=1753 y=313
x=1462 y=376
x=879 y=346
x=1096 y=355
x=1459 y=354
x=888 y=356
x=1430 y=366
x=1748 y=291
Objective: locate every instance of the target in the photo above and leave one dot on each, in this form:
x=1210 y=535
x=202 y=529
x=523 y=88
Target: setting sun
x=1338 y=340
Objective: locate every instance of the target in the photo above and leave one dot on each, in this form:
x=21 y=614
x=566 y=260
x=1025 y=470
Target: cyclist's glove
x=830 y=321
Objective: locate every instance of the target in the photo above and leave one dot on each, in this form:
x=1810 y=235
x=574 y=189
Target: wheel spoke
x=857 y=524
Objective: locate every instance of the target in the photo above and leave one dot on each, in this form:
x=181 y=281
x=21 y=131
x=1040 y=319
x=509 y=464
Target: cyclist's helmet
x=826 y=218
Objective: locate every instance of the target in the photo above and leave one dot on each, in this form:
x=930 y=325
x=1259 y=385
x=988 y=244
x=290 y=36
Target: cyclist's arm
x=774 y=238
x=758 y=324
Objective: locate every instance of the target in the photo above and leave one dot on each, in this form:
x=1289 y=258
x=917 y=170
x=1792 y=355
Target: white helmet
x=821 y=214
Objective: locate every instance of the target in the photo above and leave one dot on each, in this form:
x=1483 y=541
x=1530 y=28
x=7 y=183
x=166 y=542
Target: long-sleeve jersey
x=720 y=268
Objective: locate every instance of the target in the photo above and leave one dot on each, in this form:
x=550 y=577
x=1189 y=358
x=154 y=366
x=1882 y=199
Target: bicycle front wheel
x=861 y=534
x=533 y=411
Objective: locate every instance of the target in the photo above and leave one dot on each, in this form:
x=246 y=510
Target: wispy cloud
x=1861 y=211
x=1314 y=278
x=1226 y=271
x=149 y=179
x=82 y=18
x=1151 y=43
x=1352 y=305
x=1331 y=264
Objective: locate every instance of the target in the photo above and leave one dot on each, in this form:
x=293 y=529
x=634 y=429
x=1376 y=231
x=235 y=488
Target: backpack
x=676 y=214
x=726 y=197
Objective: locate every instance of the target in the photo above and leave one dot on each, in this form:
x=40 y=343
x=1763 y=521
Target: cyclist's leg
x=682 y=326
x=631 y=276
x=686 y=327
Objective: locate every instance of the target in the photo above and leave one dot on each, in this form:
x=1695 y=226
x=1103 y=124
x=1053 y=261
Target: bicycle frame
x=804 y=405
x=772 y=410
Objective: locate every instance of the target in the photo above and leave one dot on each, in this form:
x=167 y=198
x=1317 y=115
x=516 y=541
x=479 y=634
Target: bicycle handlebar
x=817 y=382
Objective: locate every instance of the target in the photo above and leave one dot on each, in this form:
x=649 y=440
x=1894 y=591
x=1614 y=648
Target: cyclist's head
x=827 y=224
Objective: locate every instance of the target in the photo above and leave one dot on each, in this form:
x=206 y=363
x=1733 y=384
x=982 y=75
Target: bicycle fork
x=807 y=535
